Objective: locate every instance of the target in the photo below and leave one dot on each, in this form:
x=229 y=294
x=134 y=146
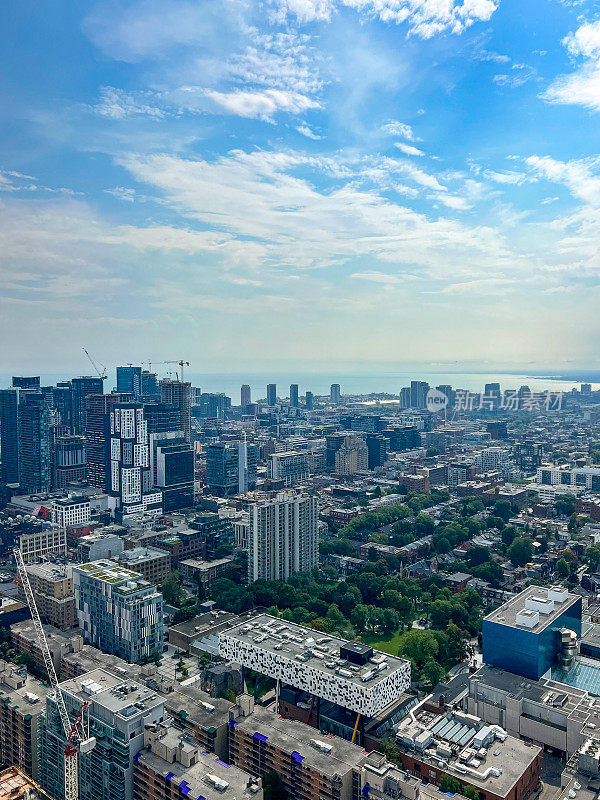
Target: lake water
x=351 y=383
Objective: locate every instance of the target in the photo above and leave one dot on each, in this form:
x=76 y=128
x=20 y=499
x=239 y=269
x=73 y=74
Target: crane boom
x=41 y=637
x=72 y=732
x=101 y=374
x=181 y=363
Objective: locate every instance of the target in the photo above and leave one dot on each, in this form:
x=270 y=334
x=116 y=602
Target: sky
x=311 y=184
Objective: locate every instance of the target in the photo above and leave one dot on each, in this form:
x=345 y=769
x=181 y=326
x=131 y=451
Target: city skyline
x=352 y=180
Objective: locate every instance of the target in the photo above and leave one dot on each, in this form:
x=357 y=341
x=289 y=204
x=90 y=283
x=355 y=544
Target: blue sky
x=311 y=183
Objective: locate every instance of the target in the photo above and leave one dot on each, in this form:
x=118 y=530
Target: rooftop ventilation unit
x=527 y=618
x=324 y=747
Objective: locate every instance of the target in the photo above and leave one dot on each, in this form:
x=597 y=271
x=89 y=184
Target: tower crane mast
x=74 y=733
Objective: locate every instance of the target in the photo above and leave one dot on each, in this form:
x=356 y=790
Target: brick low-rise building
x=310 y=768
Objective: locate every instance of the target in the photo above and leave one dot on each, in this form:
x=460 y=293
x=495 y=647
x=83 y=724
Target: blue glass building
x=523 y=635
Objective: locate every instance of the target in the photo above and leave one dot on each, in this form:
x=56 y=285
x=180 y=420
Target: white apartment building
x=282 y=536
x=67 y=511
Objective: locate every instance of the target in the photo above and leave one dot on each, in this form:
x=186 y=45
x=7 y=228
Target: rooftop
x=287 y=640
x=139 y=554
x=291 y=736
x=28 y=698
x=534 y=608
x=485 y=756
x=113 y=574
x=209 y=777
x=118 y=696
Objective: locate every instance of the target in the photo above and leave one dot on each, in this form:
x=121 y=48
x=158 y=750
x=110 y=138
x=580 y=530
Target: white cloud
x=261 y=104
x=409 y=150
x=452 y=201
x=117 y=104
x=520 y=74
x=306 y=131
x=577 y=176
x=395 y=128
x=511 y=177
x=581 y=87
x=425 y=18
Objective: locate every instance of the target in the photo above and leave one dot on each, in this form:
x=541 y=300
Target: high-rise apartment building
x=97 y=433
x=179 y=393
x=62 y=402
x=291 y=467
x=294 y=395
x=231 y=465
x=9 y=442
x=69 y=462
x=129 y=380
x=377 y=450
x=33 y=430
x=245 y=395
x=309 y=402
x=26 y=382
x=150 y=390
x=119 y=711
x=335 y=393
x=271 y=394
x=171 y=456
x=22 y=701
x=192 y=771
x=418 y=394
x=130 y=474
x=352 y=456
x=80 y=389
x=118 y=611
x=282 y=536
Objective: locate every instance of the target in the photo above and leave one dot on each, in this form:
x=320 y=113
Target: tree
x=476 y=556
x=565 y=504
x=442 y=545
x=508 y=534
x=520 y=552
x=419 y=647
x=502 y=508
x=171 y=589
x=359 y=616
x=449 y=784
x=562 y=568
x=433 y=673
x=592 y=556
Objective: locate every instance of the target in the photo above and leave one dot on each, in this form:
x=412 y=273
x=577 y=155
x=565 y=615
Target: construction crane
x=77 y=738
x=181 y=363
x=100 y=374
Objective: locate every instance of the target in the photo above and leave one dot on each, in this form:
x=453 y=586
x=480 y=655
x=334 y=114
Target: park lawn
x=388 y=643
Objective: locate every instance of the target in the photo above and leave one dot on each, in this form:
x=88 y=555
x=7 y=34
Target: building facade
x=130 y=474
x=283 y=536
x=118 y=611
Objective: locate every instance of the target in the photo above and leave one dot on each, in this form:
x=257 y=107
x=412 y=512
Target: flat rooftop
x=195 y=778
x=507 y=613
x=507 y=757
x=119 y=696
x=289 y=735
x=140 y=554
x=191 y=704
x=313 y=648
x=29 y=699
x=109 y=572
